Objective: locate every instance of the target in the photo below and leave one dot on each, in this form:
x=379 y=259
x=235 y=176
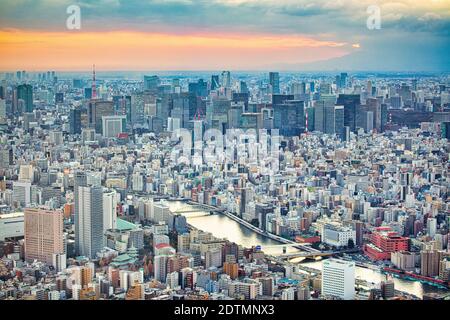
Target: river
x=223 y=227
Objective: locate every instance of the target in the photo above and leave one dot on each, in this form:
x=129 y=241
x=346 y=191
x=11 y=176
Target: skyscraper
x=44 y=235
x=215 y=82
x=79 y=180
x=226 y=79
x=274 y=81
x=351 y=103
x=338 y=279
x=90 y=220
x=96 y=110
x=75 y=121
x=25 y=93
x=109 y=210
x=151 y=83
x=113 y=125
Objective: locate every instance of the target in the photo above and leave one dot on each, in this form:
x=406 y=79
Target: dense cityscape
x=224 y=185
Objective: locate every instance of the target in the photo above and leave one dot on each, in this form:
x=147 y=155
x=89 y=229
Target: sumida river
x=223 y=227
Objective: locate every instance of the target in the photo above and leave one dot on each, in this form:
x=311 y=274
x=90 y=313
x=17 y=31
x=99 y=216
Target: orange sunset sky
x=223 y=34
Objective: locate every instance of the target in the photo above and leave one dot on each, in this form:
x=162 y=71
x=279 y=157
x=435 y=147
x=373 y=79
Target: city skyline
x=244 y=152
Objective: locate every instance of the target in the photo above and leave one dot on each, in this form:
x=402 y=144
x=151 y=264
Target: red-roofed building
x=383 y=241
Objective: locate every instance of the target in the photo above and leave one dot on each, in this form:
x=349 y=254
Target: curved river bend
x=223 y=227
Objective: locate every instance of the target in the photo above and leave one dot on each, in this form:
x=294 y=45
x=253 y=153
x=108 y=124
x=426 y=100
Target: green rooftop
x=124 y=225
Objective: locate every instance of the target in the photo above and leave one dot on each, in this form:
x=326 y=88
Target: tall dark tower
x=94 y=89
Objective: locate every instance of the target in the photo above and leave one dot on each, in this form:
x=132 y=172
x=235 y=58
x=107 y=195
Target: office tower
x=338 y=279
x=366 y=121
x=135 y=112
x=6 y=157
x=217 y=113
x=98 y=109
x=160 y=267
x=181 y=110
x=241 y=97
x=374 y=105
x=90 y=220
x=324 y=114
x=289 y=117
x=351 y=103
x=343 y=80
x=243 y=87
x=88 y=93
x=22 y=193
x=199 y=88
x=226 y=79
x=113 y=125
x=329 y=120
x=234 y=114
x=79 y=180
x=59 y=98
x=325 y=88
x=431 y=227
x=369 y=88
x=405 y=93
x=110 y=198
x=44 y=235
x=75 y=121
x=295 y=88
x=384 y=116
x=339 y=121
x=215 y=83
x=25 y=93
x=151 y=83
x=274 y=81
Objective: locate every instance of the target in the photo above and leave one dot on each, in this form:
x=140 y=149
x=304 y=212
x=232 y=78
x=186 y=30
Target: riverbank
x=222 y=226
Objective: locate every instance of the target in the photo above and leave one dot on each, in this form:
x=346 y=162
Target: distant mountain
x=364 y=61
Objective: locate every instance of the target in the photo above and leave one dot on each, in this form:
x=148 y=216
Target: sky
x=283 y=35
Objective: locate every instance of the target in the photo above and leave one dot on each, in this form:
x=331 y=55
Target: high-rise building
x=113 y=125
x=25 y=93
x=429 y=262
x=160 y=267
x=110 y=198
x=215 y=83
x=339 y=121
x=90 y=220
x=22 y=193
x=75 y=121
x=98 y=109
x=274 y=81
x=44 y=235
x=343 y=80
x=151 y=83
x=338 y=279
x=226 y=79
x=351 y=103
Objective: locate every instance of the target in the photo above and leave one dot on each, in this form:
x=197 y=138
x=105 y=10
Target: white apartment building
x=338 y=279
